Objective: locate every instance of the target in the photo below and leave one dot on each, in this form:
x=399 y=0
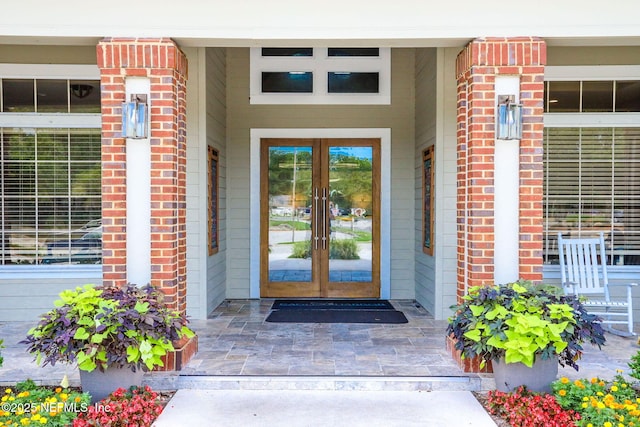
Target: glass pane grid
x=49 y=96
x=592 y=96
x=594 y=191
x=51 y=204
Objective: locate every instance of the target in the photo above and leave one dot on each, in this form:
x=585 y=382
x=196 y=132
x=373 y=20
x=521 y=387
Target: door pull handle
x=324 y=218
x=315 y=217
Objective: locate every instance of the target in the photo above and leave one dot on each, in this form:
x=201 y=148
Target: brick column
x=165 y=66
x=162 y=62
x=477 y=67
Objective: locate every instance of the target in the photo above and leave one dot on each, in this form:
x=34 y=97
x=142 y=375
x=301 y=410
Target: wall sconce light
x=134 y=117
x=509 y=120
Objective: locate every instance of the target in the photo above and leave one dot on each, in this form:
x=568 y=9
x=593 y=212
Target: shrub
x=338 y=249
x=343 y=249
x=28 y=405
x=137 y=406
x=301 y=249
x=523 y=408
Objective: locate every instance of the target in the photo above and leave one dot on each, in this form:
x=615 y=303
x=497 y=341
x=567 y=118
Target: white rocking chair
x=583 y=266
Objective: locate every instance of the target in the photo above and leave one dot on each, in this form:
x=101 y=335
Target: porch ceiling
x=402 y=23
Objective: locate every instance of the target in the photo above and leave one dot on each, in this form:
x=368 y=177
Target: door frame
x=384 y=134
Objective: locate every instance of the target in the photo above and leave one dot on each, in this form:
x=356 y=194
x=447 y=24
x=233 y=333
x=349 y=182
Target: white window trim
x=592 y=73
x=51 y=120
x=385 y=195
x=320 y=64
x=50 y=71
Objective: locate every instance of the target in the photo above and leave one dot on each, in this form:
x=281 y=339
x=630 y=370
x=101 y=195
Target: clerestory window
x=309 y=75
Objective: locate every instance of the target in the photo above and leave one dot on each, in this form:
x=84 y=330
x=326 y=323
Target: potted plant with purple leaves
x=114 y=333
x=526 y=330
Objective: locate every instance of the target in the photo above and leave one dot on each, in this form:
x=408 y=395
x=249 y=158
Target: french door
x=320 y=221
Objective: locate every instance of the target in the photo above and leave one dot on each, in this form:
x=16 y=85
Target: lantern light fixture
x=509 y=119
x=134 y=117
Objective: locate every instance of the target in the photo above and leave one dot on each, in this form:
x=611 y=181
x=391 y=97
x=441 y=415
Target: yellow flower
x=589 y=425
x=36 y=417
x=585 y=399
x=7 y=390
x=562 y=392
x=58 y=389
x=77 y=399
x=600 y=393
x=585 y=405
x=43 y=420
x=600 y=405
x=564 y=380
x=614 y=388
x=607 y=424
x=25 y=421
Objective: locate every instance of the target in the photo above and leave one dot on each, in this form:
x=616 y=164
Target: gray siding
x=216 y=136
x=426 y=104
x=28 y=292
x=206 y=111
x=399 y=116
x=436 y=125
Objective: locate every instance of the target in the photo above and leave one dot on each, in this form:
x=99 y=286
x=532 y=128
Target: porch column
x=144 y=180
x=499 y=200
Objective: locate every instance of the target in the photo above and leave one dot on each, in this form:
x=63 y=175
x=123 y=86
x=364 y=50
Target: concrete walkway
x=298 y=408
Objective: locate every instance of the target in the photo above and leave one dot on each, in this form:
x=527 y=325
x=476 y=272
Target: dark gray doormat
x=331 y=304
x=336 y=316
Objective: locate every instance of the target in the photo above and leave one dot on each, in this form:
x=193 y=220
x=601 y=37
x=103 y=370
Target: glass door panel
x=289 y=198
x=319 y=221
x=351 y=214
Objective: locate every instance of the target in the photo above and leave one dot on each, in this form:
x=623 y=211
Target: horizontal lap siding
x=216 y=136
x=399 y=117
x=24 y=299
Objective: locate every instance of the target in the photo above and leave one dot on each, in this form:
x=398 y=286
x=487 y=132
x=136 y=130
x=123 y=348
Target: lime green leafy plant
x=521 y=321
x=99 y=327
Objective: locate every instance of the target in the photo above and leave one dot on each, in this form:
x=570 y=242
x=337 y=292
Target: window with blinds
x=50 y=171
x=592 y=185
x=51 y=196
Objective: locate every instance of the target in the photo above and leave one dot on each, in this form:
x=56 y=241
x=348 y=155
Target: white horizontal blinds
x=590 y=186
x=50 y=189
x=626 y=190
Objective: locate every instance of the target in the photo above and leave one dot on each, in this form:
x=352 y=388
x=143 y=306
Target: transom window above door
x=308 y=75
